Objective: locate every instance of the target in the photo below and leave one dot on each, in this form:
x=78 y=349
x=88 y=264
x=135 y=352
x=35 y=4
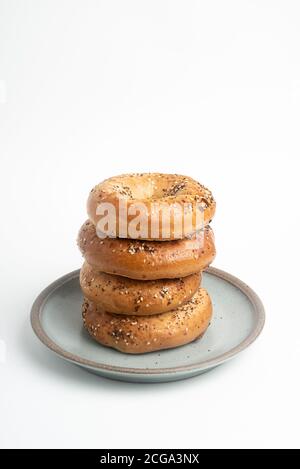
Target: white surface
x=95 y=88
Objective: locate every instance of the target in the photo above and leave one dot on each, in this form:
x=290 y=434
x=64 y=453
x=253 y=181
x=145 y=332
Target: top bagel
x=150 y=206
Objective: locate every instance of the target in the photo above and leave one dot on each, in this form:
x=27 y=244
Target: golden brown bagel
x=141 y=334
x=174 y=191
x=146 y=260
x=122 y=295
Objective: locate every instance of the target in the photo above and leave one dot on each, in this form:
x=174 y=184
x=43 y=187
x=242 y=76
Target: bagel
x=141 y=334
x=122 y=295
x=146 y=260
x=191 y=205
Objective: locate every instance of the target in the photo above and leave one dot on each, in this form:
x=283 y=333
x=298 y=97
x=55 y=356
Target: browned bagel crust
x=146 y=260
x=122 y=295
x=149 y=188
x=141 y=334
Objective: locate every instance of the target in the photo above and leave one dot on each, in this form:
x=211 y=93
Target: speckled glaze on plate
x=238 y=320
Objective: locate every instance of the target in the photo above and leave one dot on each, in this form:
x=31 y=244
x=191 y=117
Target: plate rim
x=41 y=300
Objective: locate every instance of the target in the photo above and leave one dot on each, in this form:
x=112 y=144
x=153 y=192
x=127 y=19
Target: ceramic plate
x=238 y=320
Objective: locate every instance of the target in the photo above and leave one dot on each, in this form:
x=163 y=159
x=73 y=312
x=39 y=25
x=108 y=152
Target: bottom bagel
x=142 y=334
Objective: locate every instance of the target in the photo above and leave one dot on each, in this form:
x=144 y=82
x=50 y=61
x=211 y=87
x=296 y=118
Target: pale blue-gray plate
x=238 y=320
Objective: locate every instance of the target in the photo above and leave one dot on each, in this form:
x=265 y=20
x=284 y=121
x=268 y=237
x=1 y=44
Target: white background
x=90 y=89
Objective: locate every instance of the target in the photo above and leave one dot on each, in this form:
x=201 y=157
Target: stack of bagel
x=142 y=295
